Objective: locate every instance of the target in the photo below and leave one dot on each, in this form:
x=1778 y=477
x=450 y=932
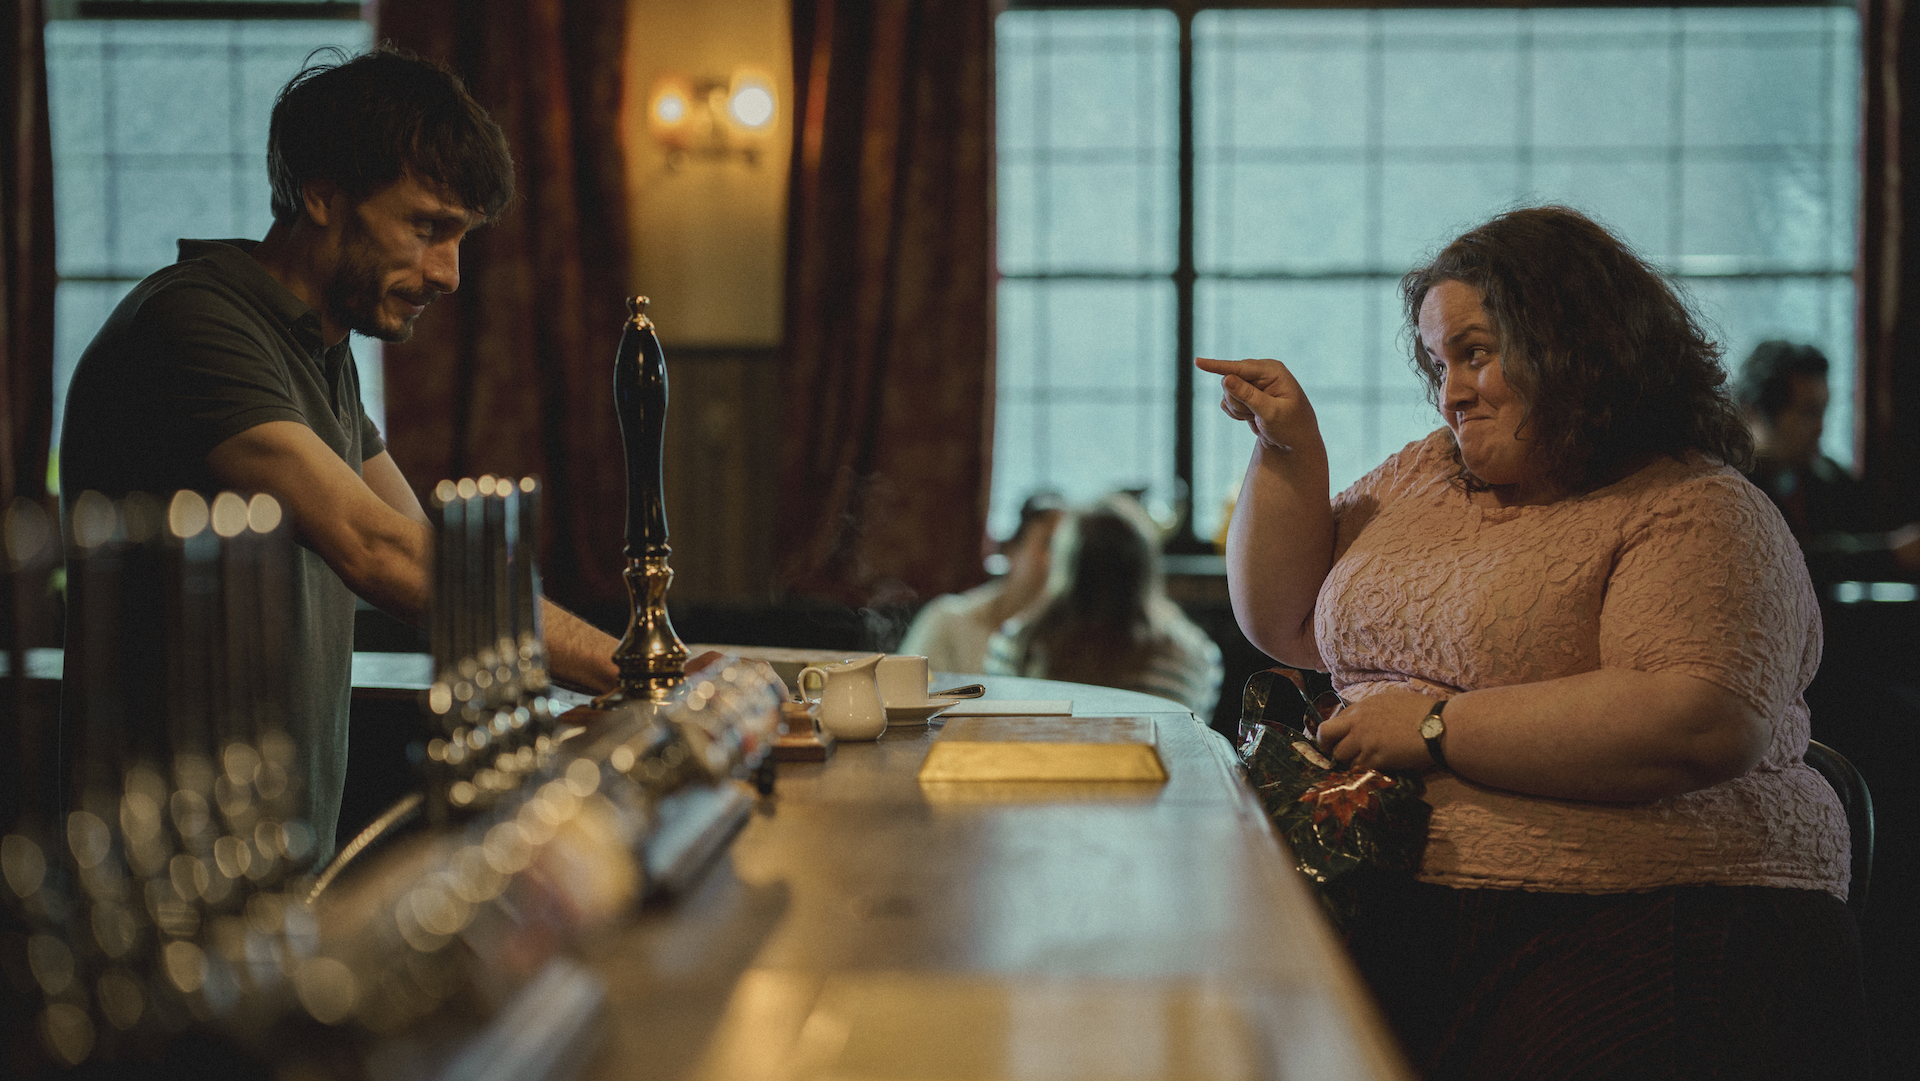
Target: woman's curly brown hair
x=1608 y=361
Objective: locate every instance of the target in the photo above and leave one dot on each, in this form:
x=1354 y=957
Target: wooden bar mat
x=1045 y=749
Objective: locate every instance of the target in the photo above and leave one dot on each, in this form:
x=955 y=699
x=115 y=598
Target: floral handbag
x=1346 y=827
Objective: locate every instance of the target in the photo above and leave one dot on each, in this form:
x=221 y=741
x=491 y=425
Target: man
x=231 y=369
x=1783 y=392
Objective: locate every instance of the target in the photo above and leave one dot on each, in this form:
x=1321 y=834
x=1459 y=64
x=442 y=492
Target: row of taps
x=166 y=882
x=159 y=863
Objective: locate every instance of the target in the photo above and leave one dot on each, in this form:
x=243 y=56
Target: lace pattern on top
x=1681 y=567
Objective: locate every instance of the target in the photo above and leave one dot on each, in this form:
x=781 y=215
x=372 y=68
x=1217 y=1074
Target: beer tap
x=651 y=657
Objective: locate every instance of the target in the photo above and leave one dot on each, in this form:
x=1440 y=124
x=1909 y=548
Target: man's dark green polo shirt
x=197 y=353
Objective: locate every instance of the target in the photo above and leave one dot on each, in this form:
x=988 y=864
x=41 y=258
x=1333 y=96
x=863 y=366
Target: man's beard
x=356 y=296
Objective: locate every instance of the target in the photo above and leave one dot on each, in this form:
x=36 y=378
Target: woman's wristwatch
x=1431 y=729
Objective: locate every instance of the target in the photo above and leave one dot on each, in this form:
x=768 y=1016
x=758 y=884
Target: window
x=1330 y=151
x=160 y=132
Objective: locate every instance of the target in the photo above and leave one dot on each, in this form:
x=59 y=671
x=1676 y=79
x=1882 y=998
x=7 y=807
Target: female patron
x=1570 y=606
x=1105 y=618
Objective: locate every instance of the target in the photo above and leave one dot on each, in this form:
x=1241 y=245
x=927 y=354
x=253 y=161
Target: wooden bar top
x=866 y=925
x=863 y=925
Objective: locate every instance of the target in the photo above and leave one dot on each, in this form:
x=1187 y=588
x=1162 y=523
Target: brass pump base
x=651 y=657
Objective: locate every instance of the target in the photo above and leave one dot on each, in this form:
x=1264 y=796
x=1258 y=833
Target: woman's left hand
x=1381 y=731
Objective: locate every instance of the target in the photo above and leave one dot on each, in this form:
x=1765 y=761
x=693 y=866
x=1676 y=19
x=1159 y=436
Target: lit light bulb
x=751 y=105
x=671 y=108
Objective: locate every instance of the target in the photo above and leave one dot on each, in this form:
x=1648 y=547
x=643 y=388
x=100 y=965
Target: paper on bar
x=1045 y=749
x=1002 y=707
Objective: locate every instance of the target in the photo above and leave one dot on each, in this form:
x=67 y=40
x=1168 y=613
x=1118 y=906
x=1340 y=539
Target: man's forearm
x=579 y=654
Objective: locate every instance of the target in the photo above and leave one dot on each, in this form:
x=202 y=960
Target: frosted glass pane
x=1107 y=336
x=1749 y=90
x=1441 y=29
x=76 y=86
x=1293 y=216
x=1085 y=395
x=80 y=229
x=1465 y=94
x=159 y=131
x=1344 y=424
x=369 y=356
x=1021 y=325
x=1088 y=131
x=1756 y=212
x=1405 y=415
x=1082 y=449
x=1015 y=460
x=1587 y=93
x=1633 y=199
x=1107 y=99
x=1018 y=209
x=1086 y=80
x=1119 y=441
x=1555 y=25
x=171 y=96
x=1105 y=216
x=1262 y=83
x=1842 y=409
x=1320 y=329
x=156 y=204
x=1426 y=203
x=1017 y=71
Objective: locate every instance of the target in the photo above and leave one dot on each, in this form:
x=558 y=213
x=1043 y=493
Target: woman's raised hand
x=1267 y=396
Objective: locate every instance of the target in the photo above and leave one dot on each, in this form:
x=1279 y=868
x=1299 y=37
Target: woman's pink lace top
x=1681 y=567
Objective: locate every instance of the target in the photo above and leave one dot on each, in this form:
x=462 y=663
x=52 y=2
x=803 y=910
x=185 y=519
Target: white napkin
x=1002 y=707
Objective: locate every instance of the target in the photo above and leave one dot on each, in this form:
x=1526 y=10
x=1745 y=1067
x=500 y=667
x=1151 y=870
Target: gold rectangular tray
x=1045 y=749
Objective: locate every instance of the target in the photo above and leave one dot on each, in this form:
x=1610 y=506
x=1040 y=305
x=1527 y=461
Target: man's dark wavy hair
x=1608 y=361
x=1768 y=374
x=365 y=122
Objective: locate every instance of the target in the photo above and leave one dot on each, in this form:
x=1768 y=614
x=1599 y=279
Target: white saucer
x=920 y=712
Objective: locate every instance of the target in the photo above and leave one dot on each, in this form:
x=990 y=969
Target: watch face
x=1432 y=727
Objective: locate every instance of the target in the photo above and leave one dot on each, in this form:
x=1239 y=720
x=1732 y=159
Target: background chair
x=1858 y=802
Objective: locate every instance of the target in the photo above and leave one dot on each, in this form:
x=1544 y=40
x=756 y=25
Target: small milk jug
x=849 y=696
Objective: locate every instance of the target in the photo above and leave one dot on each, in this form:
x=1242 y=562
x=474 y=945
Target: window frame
x=174 y=11
x=1186 y=276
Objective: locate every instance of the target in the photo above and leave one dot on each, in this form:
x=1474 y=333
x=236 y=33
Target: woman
x=951 y=630
x=1105 y=619
x=1569 y=606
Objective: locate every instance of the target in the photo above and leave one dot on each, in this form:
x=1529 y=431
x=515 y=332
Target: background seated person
x=1783 y=395
x=1570 y=607
x=951 y=630
x=1105 y=618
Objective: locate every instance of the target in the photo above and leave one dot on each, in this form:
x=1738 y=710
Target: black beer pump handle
x=640 y=398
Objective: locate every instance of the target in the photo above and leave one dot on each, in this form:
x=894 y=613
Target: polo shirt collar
x=235 y=258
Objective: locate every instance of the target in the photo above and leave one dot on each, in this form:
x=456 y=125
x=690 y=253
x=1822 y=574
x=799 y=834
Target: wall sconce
x=713 y=119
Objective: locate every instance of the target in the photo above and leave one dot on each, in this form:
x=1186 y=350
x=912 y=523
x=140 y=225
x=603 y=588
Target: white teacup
x=903 y=680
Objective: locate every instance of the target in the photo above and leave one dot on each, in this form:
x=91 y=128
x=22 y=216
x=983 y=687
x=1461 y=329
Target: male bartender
x=230 y=369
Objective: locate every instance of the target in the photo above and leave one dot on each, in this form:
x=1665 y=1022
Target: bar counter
x=864 y=926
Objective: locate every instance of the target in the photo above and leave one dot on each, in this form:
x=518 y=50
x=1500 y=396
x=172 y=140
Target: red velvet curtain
x=1889 y=268
x=26 y=256
x=888 y=371
x=513 y=373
